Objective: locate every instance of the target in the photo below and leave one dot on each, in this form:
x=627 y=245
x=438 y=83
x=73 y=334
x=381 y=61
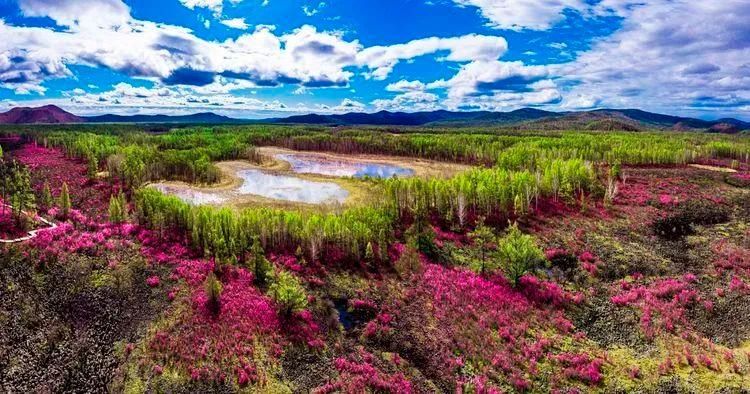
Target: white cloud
x=668 y=54
x=406 y=86
x=174 y=55
x=523 y=14
x=235 y=23
x=78 y=14
x=349 y=105
x=409 y=102
x=382 y=59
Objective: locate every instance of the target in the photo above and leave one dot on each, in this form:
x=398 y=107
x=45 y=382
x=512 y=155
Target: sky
x=268 y=58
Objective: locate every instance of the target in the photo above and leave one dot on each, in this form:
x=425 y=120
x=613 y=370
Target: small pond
x=194 y=197
x=290 y=188
x=263 y=184
x=312 y=164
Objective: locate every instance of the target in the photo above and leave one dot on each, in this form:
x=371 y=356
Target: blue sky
x=261 y=58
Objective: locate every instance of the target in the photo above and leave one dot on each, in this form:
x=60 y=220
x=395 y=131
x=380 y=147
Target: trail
x=31 y=234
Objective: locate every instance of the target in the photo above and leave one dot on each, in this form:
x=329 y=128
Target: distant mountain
x=527 y=118
x=204 y=117
x=45 y=114
x=384 y=118
x=521 y=119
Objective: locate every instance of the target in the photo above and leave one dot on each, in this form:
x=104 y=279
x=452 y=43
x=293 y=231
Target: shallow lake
x=290 y=188
x=311 y=164
x=263 y=184
x=194 y=197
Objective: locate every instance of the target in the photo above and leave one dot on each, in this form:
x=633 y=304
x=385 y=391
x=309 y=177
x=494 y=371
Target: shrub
x=288 y=293
x=258 y=263
x=483 y=239
x=408 y=263
x=46 y=200
x=117 y=208
x=518 y=253
x=213 y=294
x=64 y=201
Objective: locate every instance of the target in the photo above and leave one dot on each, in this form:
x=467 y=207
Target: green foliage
x=45 y=200
x=408 y=263
x=222 y=232
x=484 y=239
x=213 y=294
x=64 y=201
x=118 y=208
x=287 y=291
x=518 y=253
x=15 y=189
x=260 y=266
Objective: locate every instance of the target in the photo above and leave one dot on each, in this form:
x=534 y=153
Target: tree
x=92 y=165
x=258 y=263
x=288 y=293
x=408 y=263
x=64 y=201
x=45 y=200
x=483 y=239
x=518 y=253
x=21 y=195
x=370 y=255
x=117 y=208
x=213 y=294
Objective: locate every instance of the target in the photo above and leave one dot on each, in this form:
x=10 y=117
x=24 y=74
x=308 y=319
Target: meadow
x=498 y=261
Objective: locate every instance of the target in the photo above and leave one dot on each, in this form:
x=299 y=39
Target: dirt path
x=31 y=234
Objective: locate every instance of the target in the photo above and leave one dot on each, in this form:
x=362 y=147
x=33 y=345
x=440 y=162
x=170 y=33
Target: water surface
x=290 y=188
x=312 y=164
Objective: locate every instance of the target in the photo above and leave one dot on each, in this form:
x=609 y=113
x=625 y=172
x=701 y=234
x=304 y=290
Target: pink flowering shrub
x=152 y=281
x=211 y=347
x=662 y=303
x=503 y=332
x=357 y=374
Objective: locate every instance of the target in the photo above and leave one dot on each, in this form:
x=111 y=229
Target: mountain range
x=525 y=118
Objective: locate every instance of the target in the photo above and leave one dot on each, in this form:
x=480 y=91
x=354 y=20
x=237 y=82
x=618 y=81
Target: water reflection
x=310 y=164
x=290 y=188
x=191 y=196
x=259 y=183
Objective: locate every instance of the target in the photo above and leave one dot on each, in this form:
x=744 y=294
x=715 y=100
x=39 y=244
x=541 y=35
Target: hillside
x=522 y=119
x=45 y=114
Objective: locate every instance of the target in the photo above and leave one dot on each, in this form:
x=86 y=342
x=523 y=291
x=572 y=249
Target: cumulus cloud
x=523 y=14
x=659 y=59
x=235 y=23
x=382 y=59
x=173 y=55
x=409 y=101
x=78 y=14
x=217 y=6
x=406 y=86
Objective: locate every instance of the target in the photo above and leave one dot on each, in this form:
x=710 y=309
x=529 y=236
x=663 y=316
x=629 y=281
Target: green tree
x=518 y=253
x=117 y=208
x=92 y=165
x=408 y=263
x=213 y=294
x=64 y=201
x=288 y=293
x=45 y=200
x=484 y=239
x=260 y=266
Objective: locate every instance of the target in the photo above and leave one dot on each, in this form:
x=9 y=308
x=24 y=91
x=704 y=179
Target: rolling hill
x=522 y=119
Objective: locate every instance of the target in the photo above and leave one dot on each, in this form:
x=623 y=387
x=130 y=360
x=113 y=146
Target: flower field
x=561 y=262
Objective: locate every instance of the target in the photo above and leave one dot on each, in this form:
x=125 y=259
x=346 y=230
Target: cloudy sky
x=260 y=58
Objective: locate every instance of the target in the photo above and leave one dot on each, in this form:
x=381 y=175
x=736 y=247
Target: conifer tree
x=64 y=201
